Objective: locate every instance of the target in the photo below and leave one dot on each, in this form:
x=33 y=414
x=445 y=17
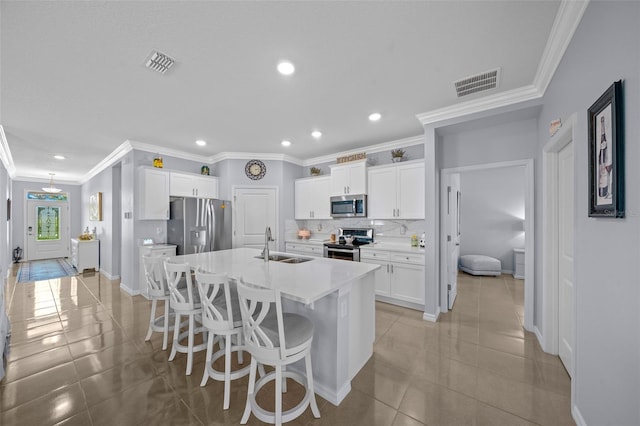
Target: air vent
x=477 y=83
x=159 y=62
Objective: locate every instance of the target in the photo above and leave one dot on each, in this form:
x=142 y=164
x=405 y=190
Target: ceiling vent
x=159 y=62
x=478 y=83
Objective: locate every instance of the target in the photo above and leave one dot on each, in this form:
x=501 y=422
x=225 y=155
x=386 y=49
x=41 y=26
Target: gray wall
x=492 y=213
x=6 y=247
x=605 y=48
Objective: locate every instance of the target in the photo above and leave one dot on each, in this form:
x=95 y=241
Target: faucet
x=267 y=238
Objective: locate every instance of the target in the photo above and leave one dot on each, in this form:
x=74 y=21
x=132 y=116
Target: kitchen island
x=338 y=296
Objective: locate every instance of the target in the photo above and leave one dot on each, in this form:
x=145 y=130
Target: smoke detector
x=159 y=62
x=478 y=83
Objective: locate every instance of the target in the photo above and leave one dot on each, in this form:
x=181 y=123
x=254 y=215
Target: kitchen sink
x=286 y=259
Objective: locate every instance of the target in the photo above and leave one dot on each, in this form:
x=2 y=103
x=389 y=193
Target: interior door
x=453 y=236
x=565 y=257
x=255 y=209
x=47 y=233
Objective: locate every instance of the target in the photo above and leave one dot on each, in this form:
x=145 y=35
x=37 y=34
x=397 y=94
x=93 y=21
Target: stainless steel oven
x=342 y=252
x=347 y=247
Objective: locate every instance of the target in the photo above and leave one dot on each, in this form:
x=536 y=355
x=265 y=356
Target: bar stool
x=158 y=291
x=277 y=339
x=185 y=301
x=221 y=316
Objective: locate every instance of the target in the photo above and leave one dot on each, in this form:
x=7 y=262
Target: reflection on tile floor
x=78 y=357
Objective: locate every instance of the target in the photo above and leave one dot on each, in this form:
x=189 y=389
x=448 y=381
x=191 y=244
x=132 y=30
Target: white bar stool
x=221 y=316
x=158 y=291
x=185 y=301
x=277 y=339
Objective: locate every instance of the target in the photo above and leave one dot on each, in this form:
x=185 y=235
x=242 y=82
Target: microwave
x=349 y=206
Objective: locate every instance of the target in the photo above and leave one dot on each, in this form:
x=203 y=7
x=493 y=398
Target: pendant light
x=52 y=189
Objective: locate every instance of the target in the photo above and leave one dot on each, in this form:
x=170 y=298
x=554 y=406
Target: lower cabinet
x=305 y=249
x=400 y=279
x=165 y=250
x=85 y=254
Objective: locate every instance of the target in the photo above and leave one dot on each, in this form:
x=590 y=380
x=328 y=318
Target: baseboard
x=540 y=338
x=392 y=301
x=432 y=317
x=332 y=397
x=109 y=276
x=577 y=416
x=128 y=290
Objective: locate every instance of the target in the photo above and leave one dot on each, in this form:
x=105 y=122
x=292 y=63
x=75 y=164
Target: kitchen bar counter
x=336 y=295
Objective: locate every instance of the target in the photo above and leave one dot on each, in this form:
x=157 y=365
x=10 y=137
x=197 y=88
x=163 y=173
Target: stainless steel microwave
x=349 y=206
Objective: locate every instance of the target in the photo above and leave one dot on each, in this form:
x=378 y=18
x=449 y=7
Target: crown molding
x=108 y=161
x=371 y=149
x=567 y=20
x=251 y=155
x=140 y=146
x=5 y=154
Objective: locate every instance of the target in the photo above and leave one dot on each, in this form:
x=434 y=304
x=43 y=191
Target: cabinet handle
x=387 y=268
x=392 y=269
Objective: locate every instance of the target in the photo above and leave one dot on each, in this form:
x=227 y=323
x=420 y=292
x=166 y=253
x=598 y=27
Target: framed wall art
x=95 y=206
x=606 y=154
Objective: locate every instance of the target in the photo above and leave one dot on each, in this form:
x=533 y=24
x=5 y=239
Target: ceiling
x=73 y=80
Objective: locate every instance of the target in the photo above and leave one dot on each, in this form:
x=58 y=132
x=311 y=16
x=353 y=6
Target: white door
x=565 y=257
x=453 y=236
x=255 y=209
x=47 y=232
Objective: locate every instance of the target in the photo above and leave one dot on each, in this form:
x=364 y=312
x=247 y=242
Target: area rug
x=38 y=270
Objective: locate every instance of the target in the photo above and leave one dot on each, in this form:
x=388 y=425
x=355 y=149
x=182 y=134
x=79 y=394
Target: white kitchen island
x=338 y=296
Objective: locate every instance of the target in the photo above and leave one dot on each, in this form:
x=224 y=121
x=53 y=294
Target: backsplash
x=391 y=230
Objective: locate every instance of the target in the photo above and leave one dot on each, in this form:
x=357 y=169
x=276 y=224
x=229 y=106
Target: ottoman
x=476 y=264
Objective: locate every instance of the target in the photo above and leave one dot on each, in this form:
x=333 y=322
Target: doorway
x=47 y=225
x=447 y=265
x=254 y=209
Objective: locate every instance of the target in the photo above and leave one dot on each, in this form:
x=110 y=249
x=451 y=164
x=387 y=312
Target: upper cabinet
x=193 y=185
x=152 y=194
x=396 y=191
x=349 y=178
x=312 y=198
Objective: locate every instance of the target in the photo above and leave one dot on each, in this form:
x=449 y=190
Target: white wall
x=492 y=213
x=604 y=48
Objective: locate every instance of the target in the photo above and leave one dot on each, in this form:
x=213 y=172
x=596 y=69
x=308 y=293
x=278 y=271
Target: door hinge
x=449 y=287
x=448 y=238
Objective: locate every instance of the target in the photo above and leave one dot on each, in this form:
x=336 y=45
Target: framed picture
x=95 y=206
x=606 y=154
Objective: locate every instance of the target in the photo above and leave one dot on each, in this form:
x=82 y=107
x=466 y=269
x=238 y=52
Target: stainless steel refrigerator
x=198 y=225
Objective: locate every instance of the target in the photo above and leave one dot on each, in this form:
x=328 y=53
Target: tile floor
x=78 y=357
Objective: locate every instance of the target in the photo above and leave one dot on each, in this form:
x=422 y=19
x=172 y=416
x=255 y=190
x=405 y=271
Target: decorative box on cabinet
x=153 y=194
x=165 y=250
x=312 y=198
x=518 y=263
x=85 y=254
x=349 y=178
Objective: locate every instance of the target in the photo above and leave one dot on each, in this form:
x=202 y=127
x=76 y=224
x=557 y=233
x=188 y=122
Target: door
x=47 y=232
x=565 y=257
x=255 y=209
x=452 y=221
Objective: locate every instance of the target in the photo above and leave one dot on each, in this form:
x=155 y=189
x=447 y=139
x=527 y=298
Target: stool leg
x=152 y=320
x=165 y=339
x=278 y=416
x=312 y=402
x=176 y=334
x=227 y=372
x=190 y=344
x=207 y=363
x=250 y=390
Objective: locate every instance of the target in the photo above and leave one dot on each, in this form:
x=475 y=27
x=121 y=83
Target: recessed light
x=286 y=68
x=285 y=143
x=316 y=134
x=200 y=142
x=375 y=116
x=59 y=157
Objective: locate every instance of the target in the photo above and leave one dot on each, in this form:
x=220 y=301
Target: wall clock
x=255 y=169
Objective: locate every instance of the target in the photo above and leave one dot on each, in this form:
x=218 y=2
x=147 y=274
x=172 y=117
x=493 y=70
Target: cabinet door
x=153 y=194
x=410 y=192
x=407 y=282
x=181 y=185
x=339 y=180
x=381 y=277
x=303 y=199
x=319 y=195
x=206 y=186
x=381 y=200
x=357 y=178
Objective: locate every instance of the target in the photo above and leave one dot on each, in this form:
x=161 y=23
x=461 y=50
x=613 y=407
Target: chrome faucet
x=267 y=238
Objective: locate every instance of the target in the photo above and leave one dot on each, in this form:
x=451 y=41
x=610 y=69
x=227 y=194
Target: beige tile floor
x=78 y=357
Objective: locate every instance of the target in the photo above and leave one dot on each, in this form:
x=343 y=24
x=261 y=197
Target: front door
x=255 y=210
x=47 y=233
x=565 y=257
x=453 y=236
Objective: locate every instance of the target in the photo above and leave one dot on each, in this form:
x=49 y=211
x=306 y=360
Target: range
x=347 y=247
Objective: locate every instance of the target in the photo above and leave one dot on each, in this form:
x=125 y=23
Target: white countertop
x=305 y=282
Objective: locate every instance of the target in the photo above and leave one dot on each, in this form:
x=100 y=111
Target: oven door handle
x=333 y=250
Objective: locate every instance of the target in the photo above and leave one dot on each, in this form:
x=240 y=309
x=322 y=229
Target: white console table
x=85 y=254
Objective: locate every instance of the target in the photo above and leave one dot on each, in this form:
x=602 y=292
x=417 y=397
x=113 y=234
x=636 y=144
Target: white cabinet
x=193 y=185
x=85 y=254
x=350 y=178
x=312 y=198
x=165 y=250
x=153 y=194
x=401 y=278
x=396 y=191
x=305 y=248
x=518 y=263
